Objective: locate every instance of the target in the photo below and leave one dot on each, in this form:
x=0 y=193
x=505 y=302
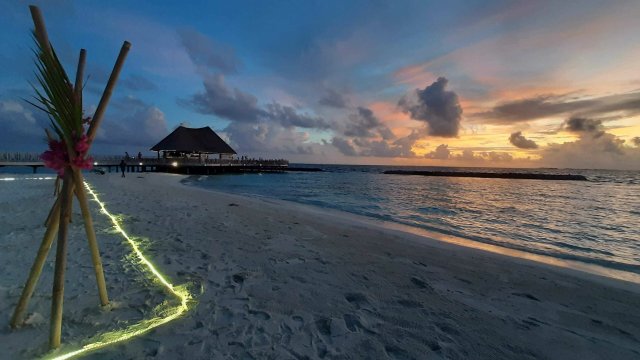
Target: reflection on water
x=594 y=222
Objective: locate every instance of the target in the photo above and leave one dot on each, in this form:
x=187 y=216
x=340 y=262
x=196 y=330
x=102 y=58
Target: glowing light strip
x=167 y=314
x=27 y=178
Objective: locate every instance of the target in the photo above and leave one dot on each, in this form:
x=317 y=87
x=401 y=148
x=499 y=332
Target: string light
x=28 y=178
x=167 y=313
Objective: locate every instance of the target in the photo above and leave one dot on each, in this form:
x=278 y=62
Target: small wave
x=436 y=210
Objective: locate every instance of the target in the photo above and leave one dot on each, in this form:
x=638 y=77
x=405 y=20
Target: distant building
x=189 y=142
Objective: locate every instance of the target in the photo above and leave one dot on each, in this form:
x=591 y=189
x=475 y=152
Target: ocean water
x=595 y=221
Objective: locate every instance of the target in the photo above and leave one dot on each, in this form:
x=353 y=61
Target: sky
x=442 y=83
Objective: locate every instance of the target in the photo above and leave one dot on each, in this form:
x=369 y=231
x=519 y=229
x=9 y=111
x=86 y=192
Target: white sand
x=286 y=281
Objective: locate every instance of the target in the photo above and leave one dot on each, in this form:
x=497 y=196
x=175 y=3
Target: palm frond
x=55 y=95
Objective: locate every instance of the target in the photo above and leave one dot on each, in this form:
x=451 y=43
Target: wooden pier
x=172 y=165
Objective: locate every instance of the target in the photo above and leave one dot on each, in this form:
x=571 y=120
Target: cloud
x=483 y=156
x=208 y=54
x=142 y=127
x=334 y=99
x=130 y=122
x=235 y=105
x=441 y=152
x=220 y=100
x=584 y=125
x=605 y=151
x=518 y=140
x=406 y=143
x=636 y=141
x=365 y=135
x=436 y=106
x=543 y=106
x=267 y=138
x=138 y=83
x=344 y=146
x=363 y=123
x=22 y=126
x=288 y=117
x=594 y=149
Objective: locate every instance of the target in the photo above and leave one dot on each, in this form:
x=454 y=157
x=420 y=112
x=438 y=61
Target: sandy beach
x=280 y=280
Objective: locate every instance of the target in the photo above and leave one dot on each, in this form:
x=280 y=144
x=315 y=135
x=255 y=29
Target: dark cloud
x=138 y=83
x=360 y=133
x=220 y=100
x=365 y=124
x=344 y=146
x=636 y=141
x=381 y=148
x=208 y=54
x=533 y=108
x=235 y=105
x=518 y=140
x=584 y=125
x=334 y=99
x=436 y=106
x=441 y=152
x=22 y=126
x=287 y=116
x=543 y=106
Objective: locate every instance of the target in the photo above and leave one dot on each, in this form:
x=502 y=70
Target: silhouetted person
x=139 y=156
x=123 y=166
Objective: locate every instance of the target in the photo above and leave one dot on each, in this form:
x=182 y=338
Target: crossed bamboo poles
x=60 y=214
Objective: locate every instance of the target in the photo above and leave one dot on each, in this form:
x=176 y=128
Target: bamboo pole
x=51 y=215
x=61 y=258
x=36 y=269
x=91 y=236
x=77 y=89
x=106 y=95
x=40 y=28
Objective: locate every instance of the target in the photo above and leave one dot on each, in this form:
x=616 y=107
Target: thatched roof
x=202 y=140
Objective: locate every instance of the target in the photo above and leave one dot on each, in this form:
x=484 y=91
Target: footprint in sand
x=420 y=283
x=324 y=326
x=298 y=322
x=260 y=314
x=357 y=299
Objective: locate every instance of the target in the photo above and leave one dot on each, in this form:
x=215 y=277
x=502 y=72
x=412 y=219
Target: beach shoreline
x=287 y=280
x=612 y=277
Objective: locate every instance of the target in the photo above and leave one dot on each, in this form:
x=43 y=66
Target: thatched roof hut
x=195 y=141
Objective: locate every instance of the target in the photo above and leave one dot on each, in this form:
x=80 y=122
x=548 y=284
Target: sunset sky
x=455 y=83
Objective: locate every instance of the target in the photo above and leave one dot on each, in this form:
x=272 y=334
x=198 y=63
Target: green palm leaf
x=55 y=95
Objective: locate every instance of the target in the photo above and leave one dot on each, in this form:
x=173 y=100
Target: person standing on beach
x=123 y=166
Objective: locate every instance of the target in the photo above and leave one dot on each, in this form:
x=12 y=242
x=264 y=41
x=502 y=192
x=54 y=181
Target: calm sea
x=595 y=221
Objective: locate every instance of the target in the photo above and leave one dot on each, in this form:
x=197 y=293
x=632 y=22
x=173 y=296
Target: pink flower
x=56 y=157
x=82 y=144
x=83 y=163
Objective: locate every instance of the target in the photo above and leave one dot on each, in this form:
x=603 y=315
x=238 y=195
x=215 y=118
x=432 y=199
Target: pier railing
x=23 y=158
x=19 y=157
